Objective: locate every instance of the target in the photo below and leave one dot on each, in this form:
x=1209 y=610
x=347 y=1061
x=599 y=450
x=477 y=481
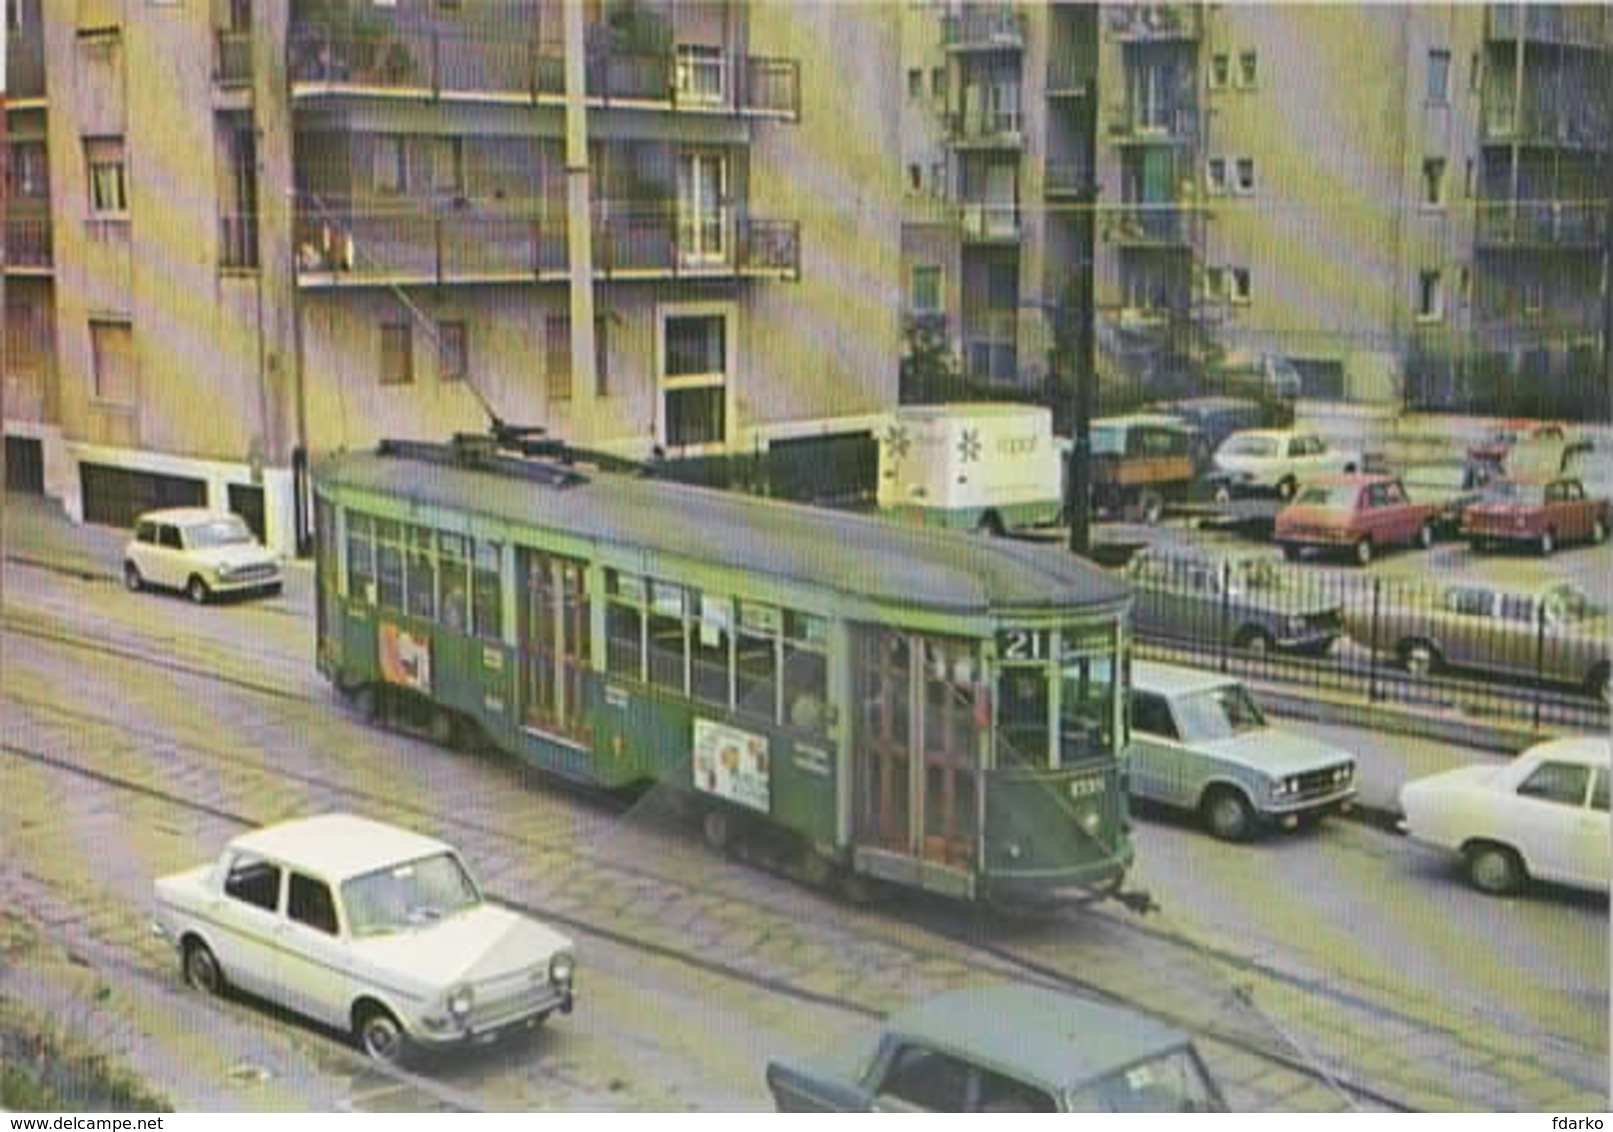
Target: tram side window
x=1086 y=707
x=710 y=643
x=360 y=558
x=1023 y=716
x=389 y=564
x=487 y=596
x=624 y=625
x=806 y=671
x=324 y=542
x=420 y=578
x=756 y=662
x=454 y=572
x=669 y=638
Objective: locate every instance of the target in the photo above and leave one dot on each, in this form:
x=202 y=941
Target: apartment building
x=256 y=231
x=1410 y=202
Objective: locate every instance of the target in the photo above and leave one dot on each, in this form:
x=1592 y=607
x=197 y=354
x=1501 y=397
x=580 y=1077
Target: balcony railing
x=986 y=128
x=1148 y=224
x=1580 y=124
x=1172 y=125
x=984 y=27
x=1142 y=22
x=28 y=243
x=1541 y=224
x=506 y=68
x=652 y=239
x=238 y=242
x=232 y=58
x=1068 y=178
x=1587 y=25
x=983 y=222
x=991 y=346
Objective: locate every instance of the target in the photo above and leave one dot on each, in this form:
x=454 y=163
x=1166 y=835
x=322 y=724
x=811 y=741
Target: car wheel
x=380 y=1035
x=1548 y=543
x=1419 y=658
x=1363 y=552
x=1286 y=488
x=197 y=590
x=132 y=581
x=201 y=969
x=1254 y=640
x=1227 y=814
x=1425 y=536
x=1495 y=869
x=1598 y=531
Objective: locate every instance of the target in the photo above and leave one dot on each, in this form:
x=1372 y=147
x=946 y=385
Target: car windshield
x=1253 y=574
x=1517 y=491
x=408 y=895
x=1570 y=603
x=1328 y=495
x=1108 y=441
x=226 y=531
x=1218 y=713
x=1251 y=446
x=1174 y=1082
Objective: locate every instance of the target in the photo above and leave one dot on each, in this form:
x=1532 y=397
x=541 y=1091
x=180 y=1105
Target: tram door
x=554 y=643
x=917 y=747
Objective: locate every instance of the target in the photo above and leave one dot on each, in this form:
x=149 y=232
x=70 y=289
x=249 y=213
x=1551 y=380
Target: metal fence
x=1461 y=649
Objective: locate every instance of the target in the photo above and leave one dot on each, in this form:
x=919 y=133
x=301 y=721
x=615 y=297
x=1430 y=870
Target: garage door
x=25 y=465
x=114 y=496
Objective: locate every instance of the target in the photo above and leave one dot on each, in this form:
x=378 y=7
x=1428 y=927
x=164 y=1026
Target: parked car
x=1004 y=1049
x=1238 y=600
x=1492 y=450
x=1449 y=488
x=1275 y=460
x=1542 y=512
x=1557 y=632
x=1357 y=514
x=1199 y=743
x=367 y=928
x=199 y=552
x=1213 y=419
x=1542 y=816
x=1140 y=462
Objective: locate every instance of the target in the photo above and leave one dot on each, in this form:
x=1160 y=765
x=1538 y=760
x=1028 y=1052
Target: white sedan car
x=200 y=553
x=1544 y=815
x=367 y=928
x=1275 y=459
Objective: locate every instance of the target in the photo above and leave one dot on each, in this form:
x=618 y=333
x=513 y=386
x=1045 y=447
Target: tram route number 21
x=1023 y=644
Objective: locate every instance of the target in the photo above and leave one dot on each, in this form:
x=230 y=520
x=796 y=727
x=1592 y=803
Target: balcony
x=1155 y=23
x=1148 y=225
x=652 y=240
x=1170 y=125
x=984 y=223
x=1580 y=126
x=28 y=245
x=986 y=129
x=1538 y=224
x=503 y=69
x=1067 y=179
x=1576 y=25
x=984 y=27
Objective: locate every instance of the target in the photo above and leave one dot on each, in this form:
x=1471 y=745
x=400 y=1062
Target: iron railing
x=984 y=222
x=1146 y=22
x=1541 y=223
x=28 y=241
x=1589 y=25
x=1397 y=643
x=993 y=26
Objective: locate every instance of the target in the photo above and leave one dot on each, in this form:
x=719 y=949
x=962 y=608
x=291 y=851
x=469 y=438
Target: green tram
x=893 y=704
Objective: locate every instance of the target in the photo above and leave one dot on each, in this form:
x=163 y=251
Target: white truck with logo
x=984 y=467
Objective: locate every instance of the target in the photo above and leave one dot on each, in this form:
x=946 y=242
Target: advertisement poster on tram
x=405 y=658
x=731 y=764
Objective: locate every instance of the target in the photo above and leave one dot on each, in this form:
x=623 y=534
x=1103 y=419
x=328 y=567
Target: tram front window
x=1022 y=718
x=1086 y=709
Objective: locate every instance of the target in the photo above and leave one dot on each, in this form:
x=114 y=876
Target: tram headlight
x=1090 y=821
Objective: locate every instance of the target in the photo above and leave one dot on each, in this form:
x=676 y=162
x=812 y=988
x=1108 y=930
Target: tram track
x=989 y=956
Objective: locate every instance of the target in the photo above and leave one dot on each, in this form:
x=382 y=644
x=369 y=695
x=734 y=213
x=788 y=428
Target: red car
x=1354 y=514
x=1542 y=512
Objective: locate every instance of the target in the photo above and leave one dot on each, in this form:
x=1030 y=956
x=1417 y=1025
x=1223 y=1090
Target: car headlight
x=223 y=572
x=561 y=969
x=1343 y=773
x=1282 y=787
x=460 y=1000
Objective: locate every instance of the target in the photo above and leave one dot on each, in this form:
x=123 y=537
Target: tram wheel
x=816 y=870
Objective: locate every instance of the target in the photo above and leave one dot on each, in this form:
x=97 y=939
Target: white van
x=986 y=467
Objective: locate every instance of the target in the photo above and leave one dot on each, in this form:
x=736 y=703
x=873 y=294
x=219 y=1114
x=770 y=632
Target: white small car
x=1275 y=459
x=1544 y=815
x=368 y=928
x=200 y=553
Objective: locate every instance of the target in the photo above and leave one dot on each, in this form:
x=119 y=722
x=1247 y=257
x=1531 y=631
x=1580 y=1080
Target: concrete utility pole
x=1078 y=481
x=579 y=211
x=5 y=320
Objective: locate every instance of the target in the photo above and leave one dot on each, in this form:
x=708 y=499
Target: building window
x=938 y=83
x=397 y=354
x=14 y=14
x=915 y=177
x=1218 y=174
x=1240 y=284
x=915 y=83
x=1475 y=72
x=1467 y=179
x=695 y=379
x=1439 y=77
x=700 y=74
x=391 y=168
x=28 y=173
x=1246 y=174
x=1248 y=69
x=926 y=289
x=448 y=166
x=1215 y=283
x=1430 y=296
x=453 y=351
x=1434 y=181
x=1220 y=71
x=112 y=350
x=103 y=157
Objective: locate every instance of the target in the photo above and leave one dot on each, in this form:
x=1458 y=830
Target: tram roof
x=858 y=554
